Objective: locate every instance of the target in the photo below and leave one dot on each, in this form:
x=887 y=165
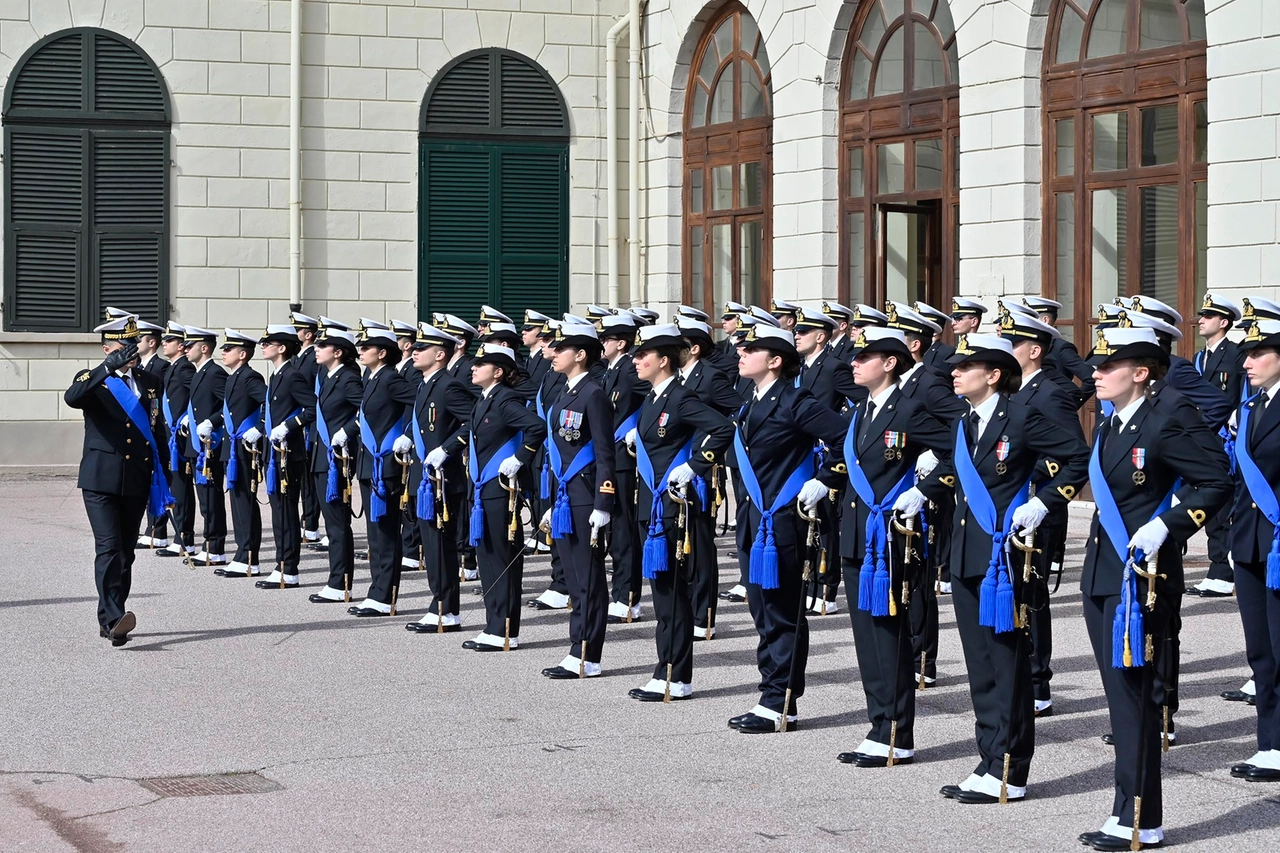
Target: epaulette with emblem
x=82 y=376
x=1067 y=492
x=948 y=481
x=1198 y=516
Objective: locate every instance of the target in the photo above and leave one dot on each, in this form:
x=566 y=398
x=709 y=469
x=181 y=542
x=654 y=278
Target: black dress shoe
x=734 y=722
x=366 y=612
x=1241 y=770
x=1047 y=712
x=474 y=646
x=419 y=628
x=559 y=673
x=542 y=605
x=275 y=585
x=950 y=791
x=1103 y=841
x=1109 y=739
x=1263 y=774
x=161 y=552
x=1088 y=837
x=732 y=597
x=614 y=620
x=1251 y=700
x=654 y=696
x=1213 y=593
x=317 y=598
x=316 y=546
x=222 y=573
x=977 y=798
x=1191 y=590
x=1235 y=695
x=353 y=608
x=754 y=725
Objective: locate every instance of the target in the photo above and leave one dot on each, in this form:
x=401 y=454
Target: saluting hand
x=119 y=358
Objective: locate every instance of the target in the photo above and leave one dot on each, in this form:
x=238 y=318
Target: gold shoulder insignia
x=1067 y=492
x=1198 y=516
x=606 y=488
x=840 y=468
x=1054 y=468
x=82 y=376
x=948 y=481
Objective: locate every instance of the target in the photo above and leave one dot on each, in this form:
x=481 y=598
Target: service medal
x=1002 y=453
x=894 y=442
x=662 y=424
x=1139 y=457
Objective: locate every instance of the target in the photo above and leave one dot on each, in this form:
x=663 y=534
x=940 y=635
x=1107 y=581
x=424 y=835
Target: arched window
x=899 y=136
x=86 y=150
x=728 y=142
x=494 y=208
x=1125 y=134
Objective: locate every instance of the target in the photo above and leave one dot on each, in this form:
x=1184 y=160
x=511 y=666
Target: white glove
x=812 y=493
x=599 y=519
x=339 y=438
x=545 y=523
x=279 y=433
x=631 y=437
x=510 y=467
x=909 y=502
x=184 y=422
x=251 y=436
x=925 y=464
x=1030 y=515
x=681 y=474
x=437 y=458
x=205 y=429
x=403 y=444
x=1150 y=537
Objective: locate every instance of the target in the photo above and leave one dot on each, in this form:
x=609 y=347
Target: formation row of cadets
x=1011 y=441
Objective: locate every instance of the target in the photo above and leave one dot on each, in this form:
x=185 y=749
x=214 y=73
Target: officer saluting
x=1140 y=456
x=1255 y=541
x=121 y=470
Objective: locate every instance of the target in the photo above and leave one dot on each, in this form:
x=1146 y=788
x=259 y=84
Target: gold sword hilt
x=513 y=491
x=811 y=537
x=405 y=461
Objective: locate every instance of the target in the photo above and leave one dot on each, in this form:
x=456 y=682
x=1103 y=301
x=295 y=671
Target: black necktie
x=975 y=423
x=866 y=422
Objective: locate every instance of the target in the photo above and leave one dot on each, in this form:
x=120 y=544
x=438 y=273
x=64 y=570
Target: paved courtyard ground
x=372 y=738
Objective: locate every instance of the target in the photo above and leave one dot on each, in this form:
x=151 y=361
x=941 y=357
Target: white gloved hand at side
x=1030 y=515
x=681 y=474
x=251 y=436
x=631 y=437
x=812 y=493
x=339 y=438
x=436 y=458
x=402 y=444
x=925 y=464
x=599 y=519
x=545 y=523
x=909 y=502
x=1150 y=537
x=279 y=433
x=510 y=467
x=205 y=429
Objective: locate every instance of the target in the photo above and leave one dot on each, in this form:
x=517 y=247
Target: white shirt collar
x=1271 y=393
x=617 y=358
x=1209 y=348
x=883 y=397
x=812 y=357
x=986 y=410
x=764 y=389
x=835 y=342
x=1127 y=413
x=661 y=387
x=1027 y=377
x=373 y=371
x=688 y=368
x=488 y=392
x=912 y=372
x=333 y=371
x=572 y=382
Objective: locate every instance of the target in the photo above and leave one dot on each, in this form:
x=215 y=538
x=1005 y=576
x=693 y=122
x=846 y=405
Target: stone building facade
x=866 y=149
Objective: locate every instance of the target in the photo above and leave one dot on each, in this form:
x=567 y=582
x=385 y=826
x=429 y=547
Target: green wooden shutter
x=456 y=233
x=52 y=78
x=532 y=262
x=46 y=169
x=123 y=80
x=128 y=221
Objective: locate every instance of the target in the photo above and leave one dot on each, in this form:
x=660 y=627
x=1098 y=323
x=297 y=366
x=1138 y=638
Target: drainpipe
x=611 y=148
x=295 y=155
x=633 y=187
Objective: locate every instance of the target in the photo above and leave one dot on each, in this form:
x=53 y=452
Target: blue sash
x=426 y=489
x=873 y=578
x=273 y=472
x=654 y=559
x=214 y=441
x=544 y=478
x=172 y=423
x=331 y=492
x=1128 y=611
x=763 y=562
x=632 y=422
x=250 y=421
x=995 y=597
x=490 y=471
x=1261 y=492
x=159 y=499
x=379 y=451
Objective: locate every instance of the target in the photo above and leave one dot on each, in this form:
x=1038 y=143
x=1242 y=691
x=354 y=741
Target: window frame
x=88 y=124
x=736 y=143
x=1127 y=82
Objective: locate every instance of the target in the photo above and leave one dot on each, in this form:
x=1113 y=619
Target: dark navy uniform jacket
x=116 y=459
x=339 y=400
x=289 y=390
x=579 y=415
x=1250 y=531
x=667 y=423
x=245 y=392
x=443 y=406
x=207 y=386
x=712 y=387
